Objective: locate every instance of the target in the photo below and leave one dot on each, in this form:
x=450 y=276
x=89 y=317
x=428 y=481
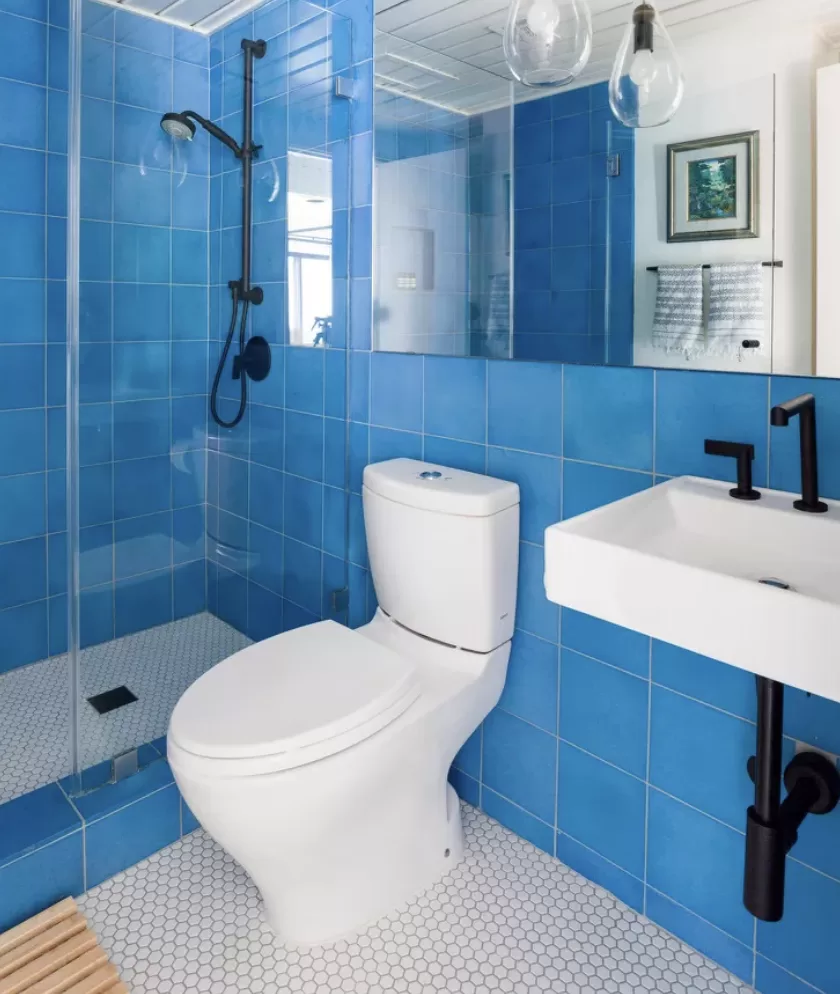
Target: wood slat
x=56 y=953
x=63 y=979
x=26 y=930
x=102 y=981
x=40 y=944
x=55 y=959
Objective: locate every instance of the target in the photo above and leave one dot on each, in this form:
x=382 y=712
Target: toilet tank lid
x=430 y=487
x=297 y=690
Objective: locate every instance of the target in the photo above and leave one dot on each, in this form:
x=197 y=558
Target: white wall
x=828 y=221
x=757 y=76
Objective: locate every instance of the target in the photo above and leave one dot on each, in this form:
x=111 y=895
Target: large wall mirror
x=514 y=223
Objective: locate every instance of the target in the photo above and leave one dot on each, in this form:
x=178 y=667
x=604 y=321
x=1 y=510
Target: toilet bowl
x=318 y=758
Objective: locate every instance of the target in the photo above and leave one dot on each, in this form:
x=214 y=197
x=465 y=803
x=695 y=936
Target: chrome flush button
x=431 y=474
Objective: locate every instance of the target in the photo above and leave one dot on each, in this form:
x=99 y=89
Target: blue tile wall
x=143 y=325
x=277 y=503
x=53 y=846
x=143 y=389
x=573 y=230
x=622 y=756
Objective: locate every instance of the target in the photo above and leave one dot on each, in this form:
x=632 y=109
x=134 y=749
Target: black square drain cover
x=112 y=699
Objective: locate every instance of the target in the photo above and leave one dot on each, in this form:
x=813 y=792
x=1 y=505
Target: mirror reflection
x=310 y=224
x=522 y=223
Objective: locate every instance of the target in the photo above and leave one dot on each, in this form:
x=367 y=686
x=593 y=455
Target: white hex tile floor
x=157 y=665
x=509 y=918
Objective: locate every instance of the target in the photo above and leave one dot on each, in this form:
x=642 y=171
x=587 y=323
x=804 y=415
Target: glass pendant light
x=548 y=42
x=647 y=85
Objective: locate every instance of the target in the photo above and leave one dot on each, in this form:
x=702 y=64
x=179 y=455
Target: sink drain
x=772 y=581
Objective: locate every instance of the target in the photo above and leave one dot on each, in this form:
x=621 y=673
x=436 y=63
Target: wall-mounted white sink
x=684 y=562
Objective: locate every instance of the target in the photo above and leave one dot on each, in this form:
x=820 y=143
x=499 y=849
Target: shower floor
x=508 y=918
x=157 y=665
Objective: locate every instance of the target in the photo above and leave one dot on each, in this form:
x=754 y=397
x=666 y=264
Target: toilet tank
x=444 y=551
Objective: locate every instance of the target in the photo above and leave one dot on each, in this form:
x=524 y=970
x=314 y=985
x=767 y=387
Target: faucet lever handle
x=744 y=453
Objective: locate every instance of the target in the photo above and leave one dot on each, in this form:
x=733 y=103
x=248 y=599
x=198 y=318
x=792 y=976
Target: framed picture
x=713 y=187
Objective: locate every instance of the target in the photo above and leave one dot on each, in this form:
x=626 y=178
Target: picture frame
x=713 y=188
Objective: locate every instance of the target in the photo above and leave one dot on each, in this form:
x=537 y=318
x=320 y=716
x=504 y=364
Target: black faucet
x=744 y=453
x=806 y=407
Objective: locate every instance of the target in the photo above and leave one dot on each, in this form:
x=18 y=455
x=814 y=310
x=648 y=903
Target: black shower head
x=178 y=126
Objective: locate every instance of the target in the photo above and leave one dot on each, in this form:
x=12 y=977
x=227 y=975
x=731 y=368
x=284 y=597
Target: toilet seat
x=291 y=700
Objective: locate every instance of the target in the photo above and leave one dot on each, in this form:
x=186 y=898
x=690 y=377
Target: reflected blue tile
x=141 y=486
x=22 y=180
x=142 y=602
x=141 y=370
x=302 y=580
x=25 y=128
x=141 y=79
x=22 y=448
x=303 y=503
x=23 y=631
x=142 y=544
x=96 y=555
x=23 y=247
x=23 y=49
x=23 y=501
x=23 y=572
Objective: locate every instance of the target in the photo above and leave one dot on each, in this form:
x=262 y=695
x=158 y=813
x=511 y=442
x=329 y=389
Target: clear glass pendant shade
x=548 y=42
x=647 y=85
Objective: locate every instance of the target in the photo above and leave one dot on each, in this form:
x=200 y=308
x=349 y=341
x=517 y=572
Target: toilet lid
x=294 y=691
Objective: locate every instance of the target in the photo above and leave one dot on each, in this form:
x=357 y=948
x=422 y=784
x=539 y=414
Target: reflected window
x=310 y=213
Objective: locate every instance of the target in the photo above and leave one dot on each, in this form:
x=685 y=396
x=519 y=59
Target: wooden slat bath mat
x=56 y=953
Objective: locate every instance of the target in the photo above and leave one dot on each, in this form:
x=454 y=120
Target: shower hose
x=242 y=375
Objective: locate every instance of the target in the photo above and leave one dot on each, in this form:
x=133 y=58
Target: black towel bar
x=767 y=265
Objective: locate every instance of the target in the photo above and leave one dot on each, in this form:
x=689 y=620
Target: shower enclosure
x=142 y=540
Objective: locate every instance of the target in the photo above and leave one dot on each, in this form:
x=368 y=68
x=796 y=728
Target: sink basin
x=688 y=564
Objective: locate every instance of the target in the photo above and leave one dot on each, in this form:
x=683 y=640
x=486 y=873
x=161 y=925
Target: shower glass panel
x=194 y=539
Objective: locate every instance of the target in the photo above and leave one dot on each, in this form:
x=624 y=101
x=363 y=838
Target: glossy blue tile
x=41 y=879
x=385 y=443
x=534 y=426
x=709 y=940
x=519 y=762
x=141 y=370
x=800 y=941
x=96 y=555
x=145 y=33
x=813 y=719
x=458 y=455
x=266 y=496
x=532 y=681
x=142 y=602
x=705 y=679
x=141 y=255
x=586 y=789
x=23 y=572
x=141 y=428
x=303 y=505
x=188 y=591
x=396 y=391
x=772 y=979
x=587 y=486
x=604 y=711
x=302 y=579
x=267 y=435
x=305 y=380
x=700 y=755
x=23 y=501
x=143 y=544
x=34 y=820
x=691 y=408
x=589 y=864
x=141 y=79
x=608 y=416
x=23 y=247
x=23 y=49
x=141 y=486
x=539 y=480
x=305 y=445
x=22 y=447
x=532 y=186
x=526 y=826
x=121 y=839
x=455 y=398
x=22 y=180
x=621 y=647
x=534 y=612
x=466 y=787
x=142 y=196
x=23 y=631
x=468 y=758
x=699 y=863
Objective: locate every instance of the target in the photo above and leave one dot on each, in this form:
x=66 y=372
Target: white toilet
x=318 y=759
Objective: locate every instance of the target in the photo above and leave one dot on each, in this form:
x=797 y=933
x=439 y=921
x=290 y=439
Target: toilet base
x=451 y=854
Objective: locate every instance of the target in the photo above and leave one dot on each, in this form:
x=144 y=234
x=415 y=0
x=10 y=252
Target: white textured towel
x=678 y=321
x=736 y=308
